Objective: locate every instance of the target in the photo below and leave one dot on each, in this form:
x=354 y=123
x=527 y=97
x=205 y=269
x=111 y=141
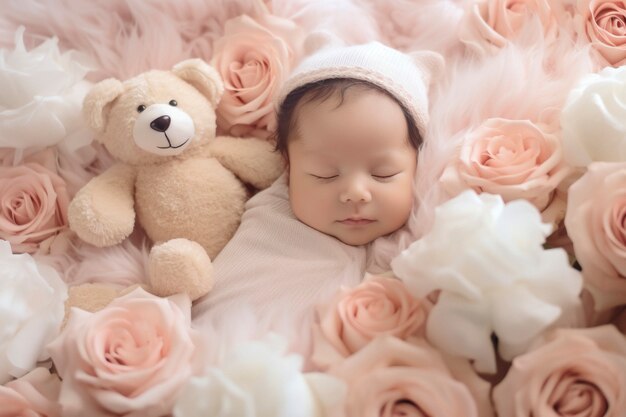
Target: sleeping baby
x=350 y=124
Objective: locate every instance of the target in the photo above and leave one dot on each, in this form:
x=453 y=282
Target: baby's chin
x=356 y=238
x=356 y=241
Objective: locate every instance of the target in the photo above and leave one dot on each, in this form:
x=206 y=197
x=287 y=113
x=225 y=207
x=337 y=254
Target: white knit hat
x=405 y=76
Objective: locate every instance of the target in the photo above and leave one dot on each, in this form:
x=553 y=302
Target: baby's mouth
x=356 y=221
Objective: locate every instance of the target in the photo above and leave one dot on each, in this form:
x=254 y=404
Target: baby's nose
x=356 y=192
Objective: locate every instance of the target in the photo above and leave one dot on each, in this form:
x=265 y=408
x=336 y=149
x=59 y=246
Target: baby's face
x=351 y=167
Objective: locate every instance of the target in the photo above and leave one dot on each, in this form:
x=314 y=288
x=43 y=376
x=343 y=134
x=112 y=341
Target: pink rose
x=516 y=159
x=33 y=395
x=389 y=377
x=596 y=223
x=129 y=359
x=489 y=25
x=377 y=307
x=33 y=206
x=579 y=372
x=603 y=23
x=253 y=57
x=75 y=167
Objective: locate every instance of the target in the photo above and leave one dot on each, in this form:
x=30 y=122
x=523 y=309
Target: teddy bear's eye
x=141 y=108
x=173 y=103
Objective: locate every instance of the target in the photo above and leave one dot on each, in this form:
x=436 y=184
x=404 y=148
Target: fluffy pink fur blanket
x=496 y=68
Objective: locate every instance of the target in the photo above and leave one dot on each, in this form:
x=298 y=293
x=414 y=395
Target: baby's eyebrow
x=316 y=151
x=384 y=157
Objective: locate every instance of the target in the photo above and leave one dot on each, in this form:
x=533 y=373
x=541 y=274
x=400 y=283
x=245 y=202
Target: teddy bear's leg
x=180 y=266
x=93 y=297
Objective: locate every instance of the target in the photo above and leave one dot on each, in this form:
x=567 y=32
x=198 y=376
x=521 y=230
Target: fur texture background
x=529 y=78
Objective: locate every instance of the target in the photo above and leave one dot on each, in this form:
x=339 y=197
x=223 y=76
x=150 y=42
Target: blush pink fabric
x=272 y=275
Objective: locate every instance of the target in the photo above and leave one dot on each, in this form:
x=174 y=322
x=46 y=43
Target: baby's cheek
x=398 y=203
x=297 y=199
x=307 y=204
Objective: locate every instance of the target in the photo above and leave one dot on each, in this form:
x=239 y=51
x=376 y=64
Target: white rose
x=487 y=259
x=594 y=119
x=42 y=95
x=32 y=308
x=259 y=380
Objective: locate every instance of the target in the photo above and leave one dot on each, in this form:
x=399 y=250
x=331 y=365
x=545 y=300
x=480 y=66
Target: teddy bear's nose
x=160 y=124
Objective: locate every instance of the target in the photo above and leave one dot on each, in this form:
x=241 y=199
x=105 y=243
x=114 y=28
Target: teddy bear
x=181 y=182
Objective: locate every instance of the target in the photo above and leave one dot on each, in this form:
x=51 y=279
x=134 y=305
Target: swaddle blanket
x=273 y=273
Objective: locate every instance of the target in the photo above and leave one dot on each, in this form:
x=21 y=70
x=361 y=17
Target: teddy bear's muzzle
x=164 y=130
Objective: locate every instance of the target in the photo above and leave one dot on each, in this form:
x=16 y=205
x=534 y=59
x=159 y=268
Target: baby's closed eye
x=325 y=177
x=380 y=176
x=385 y=175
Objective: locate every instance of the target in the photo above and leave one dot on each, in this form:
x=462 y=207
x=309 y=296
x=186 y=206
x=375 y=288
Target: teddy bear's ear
x=96 y=105
x=203 y=77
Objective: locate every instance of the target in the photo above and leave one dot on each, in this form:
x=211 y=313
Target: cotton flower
x=594 y=119
x=32 y=301
x=258 y=380
x=42 y=93
x=487 y=259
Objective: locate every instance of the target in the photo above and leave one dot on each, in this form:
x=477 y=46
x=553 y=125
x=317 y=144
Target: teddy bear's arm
x=102 y=212
x=252 y=160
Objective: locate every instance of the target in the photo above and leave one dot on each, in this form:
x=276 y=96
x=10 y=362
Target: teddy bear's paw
x=99 y=227
x=180 y=266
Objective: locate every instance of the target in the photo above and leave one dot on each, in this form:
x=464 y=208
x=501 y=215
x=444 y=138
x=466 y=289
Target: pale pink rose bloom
x=254 y=57
x=33 y=206
x=516 y=159
x=75 y=167
x=603 y=24
x=596 y=223
x=390 y=376
x=129 y=359
x=377 y=307
x=572 y=372
x=489 y=25
x=33 y=395
x=590 y=316
x=76 y=261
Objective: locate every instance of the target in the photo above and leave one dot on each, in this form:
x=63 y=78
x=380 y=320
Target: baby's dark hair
x=321 y=91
